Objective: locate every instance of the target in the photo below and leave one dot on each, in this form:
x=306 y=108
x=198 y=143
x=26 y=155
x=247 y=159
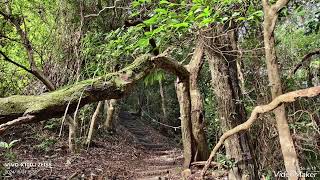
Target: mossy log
x=109 y=86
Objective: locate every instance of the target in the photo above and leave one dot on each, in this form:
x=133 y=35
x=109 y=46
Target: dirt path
x=135 y=151
x=162 y=161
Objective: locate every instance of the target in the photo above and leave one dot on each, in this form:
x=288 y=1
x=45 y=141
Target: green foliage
x=9 y=155
x=222 y=159
x=182 y=16
x=52 y=124
x=38 y=20
x=168 y=23
x=294 y=43
x=53 y=28
x=154 y=77
x=8 y=146
x=46 y=144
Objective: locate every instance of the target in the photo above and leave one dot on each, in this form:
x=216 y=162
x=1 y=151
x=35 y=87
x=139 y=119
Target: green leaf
x=235 y=14
x=179 y=25
x=241 y=19
x=151 y=21
x=161 y=11
x=164 y=2
x=207 y=21
x=4 y=145
x=157 y=30
x=207 y=11
x=154 y=77
x=135 y=3
x=144 y=42
x=197 y=10
x=257 y=13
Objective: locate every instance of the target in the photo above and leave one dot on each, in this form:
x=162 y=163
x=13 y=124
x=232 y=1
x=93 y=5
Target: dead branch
x=213 y=164
x=284 y=98
x=20 y=120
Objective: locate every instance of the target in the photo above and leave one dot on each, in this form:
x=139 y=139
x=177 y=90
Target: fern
x=154 y=77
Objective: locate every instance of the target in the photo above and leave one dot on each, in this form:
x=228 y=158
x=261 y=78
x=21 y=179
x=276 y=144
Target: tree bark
x=221 y=54
x=163 y=102
x=191 y=110
x=183 y=94
x=73 y=129
x=197 y=114
x=290 y=157
x=164 y=118
x=111 y=114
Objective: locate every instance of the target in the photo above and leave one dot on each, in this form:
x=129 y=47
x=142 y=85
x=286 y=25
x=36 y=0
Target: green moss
x=28 y=104
x=61 y=97
x=14 y=104
x=139 y=63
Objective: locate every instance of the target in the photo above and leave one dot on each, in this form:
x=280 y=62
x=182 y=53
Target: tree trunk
x=222 y=63
x=93 y=122
x=163 y=102
x=164 y=118
x=290 y=157
x=182 y=89
x=197 y=115
x=73 y=129
x=111 y=113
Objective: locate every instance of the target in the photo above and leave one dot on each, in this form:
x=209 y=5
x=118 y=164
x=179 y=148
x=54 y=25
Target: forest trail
x=134 y=151
x=162 y=161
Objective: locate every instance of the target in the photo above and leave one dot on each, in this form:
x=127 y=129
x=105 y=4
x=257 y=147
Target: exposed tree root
x=284 y=98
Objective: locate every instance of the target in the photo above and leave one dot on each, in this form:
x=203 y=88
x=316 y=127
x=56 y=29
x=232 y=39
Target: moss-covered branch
x=109 y=86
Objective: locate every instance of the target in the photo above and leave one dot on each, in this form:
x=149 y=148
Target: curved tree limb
x=6 y=58
x=16 y=21
x=284 y=98
x=306 y=59
x=109 y=86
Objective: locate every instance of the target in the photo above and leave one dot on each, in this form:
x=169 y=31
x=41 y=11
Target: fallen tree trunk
x=109 y=86
x=284 y=98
